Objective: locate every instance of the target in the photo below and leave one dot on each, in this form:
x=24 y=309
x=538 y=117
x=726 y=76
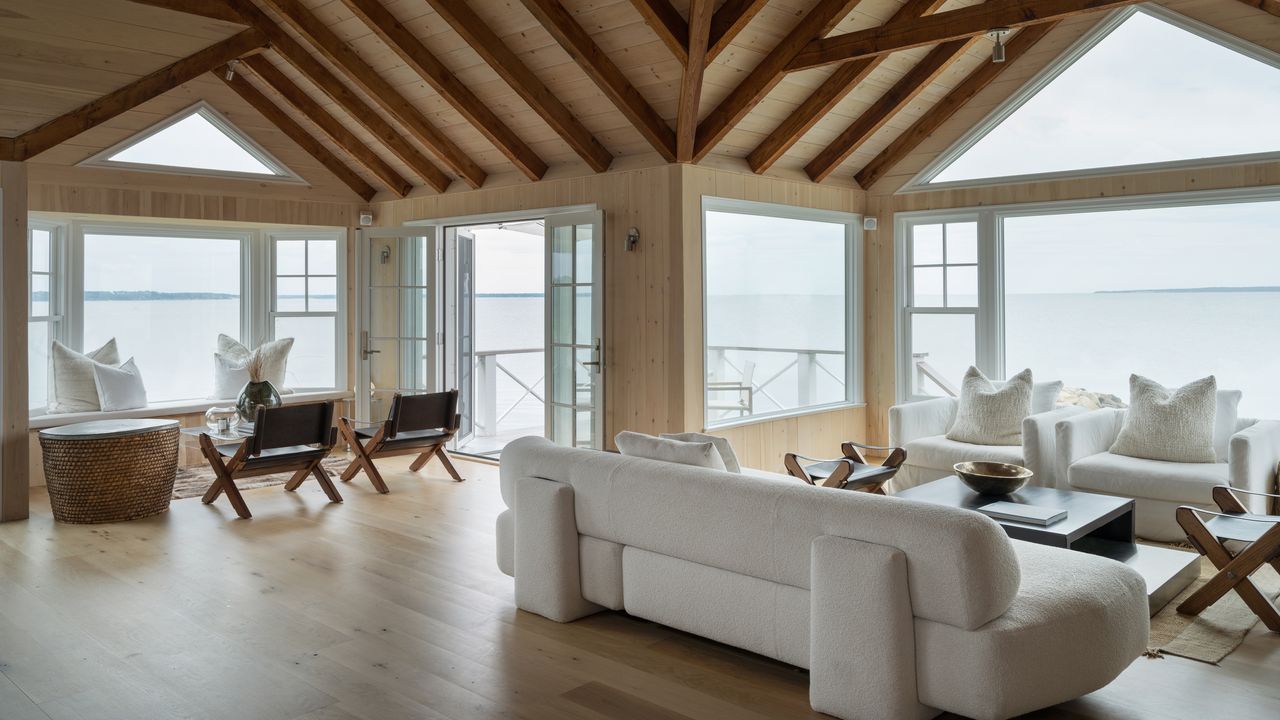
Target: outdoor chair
x=416 y=425
x=850 y=472
x=1255 y=540
x=290 y=437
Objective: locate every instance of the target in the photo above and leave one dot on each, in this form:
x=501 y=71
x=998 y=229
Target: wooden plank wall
x=13 y=341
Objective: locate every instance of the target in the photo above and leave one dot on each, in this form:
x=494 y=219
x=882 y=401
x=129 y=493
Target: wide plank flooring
x=390 y=607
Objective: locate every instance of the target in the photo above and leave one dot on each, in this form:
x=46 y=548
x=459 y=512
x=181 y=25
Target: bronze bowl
x=992 y=478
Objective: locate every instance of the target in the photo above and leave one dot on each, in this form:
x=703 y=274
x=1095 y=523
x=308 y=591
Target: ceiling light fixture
x=997 y=36
x=231 y=70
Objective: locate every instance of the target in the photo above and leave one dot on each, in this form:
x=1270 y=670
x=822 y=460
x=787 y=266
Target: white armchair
x=921 y=427
x=1084 y=459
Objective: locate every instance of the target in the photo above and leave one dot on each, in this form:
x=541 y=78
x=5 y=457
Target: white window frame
x=990 y=313
x=55 y=320
x=339 y=314
x=853 y=294
x=921 y=181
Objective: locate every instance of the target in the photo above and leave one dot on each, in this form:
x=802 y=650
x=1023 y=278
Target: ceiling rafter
x=476 y=112
x=700 y=13
x=578 y=43
x=203 y=8
x=94 y=113
x=732 y=17
x=6 y=149
x=764 y=77
x=298 y=134
x=1270 y=6
x=667 y=23
x=942 y=27
x=942 y=111
x=292 y=51
x=486 y=43
x=824 y=99
x=272 y=77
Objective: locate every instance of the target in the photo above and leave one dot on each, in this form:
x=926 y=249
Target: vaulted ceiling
x=384 y=96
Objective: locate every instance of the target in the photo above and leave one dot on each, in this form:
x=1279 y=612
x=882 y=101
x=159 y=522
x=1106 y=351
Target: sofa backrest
x=961 y=567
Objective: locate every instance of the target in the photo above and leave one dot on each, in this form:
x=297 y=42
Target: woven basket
x=110 y=479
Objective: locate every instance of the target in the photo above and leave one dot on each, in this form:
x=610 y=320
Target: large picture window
x=781 y=306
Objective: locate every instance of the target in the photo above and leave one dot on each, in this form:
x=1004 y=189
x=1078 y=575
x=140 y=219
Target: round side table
x=110 y=470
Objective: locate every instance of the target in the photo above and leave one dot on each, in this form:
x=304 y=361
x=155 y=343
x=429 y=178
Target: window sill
x=168 y=409
x=802 y=412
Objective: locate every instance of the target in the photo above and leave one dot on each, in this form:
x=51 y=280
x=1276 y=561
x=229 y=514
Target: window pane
x=291 y=257
x=926 y=248
x=165 y=300
x=962 y=286
x=776 y=311
x=927 y=288
x=942 y=349
x=962 y=243
x=322 y=294
x=322 y=257
x=40 y=242
x=37 y=364
x=39 y=295
x=312 y=362
x=291 y=294
x=562 y=255
x=582 y=253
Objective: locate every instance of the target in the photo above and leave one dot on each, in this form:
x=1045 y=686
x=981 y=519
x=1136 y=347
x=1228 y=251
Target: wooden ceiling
x=389 y=95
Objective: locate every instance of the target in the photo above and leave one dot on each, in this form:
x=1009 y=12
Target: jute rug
x=1216 y=632
x=195 y=480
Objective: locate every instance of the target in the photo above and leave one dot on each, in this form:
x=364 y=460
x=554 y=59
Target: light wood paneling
x=13 y=341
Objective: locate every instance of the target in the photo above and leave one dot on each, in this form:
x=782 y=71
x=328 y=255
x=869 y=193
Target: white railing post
x=917 y=366
x=715 y=363
x=487 y=405
x=806 y=378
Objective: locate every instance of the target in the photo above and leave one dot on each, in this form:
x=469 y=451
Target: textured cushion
x=1044 y=396
x=1173 y=425
x=940 y=453
x=119 y=388
x=72 y=386
x=991 y=416
x=697 y=454
x=231 y=358
x=1226 y=416
x=1140 y=478
x=723 y=447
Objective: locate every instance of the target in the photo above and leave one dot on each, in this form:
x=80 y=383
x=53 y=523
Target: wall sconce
x=633 y=239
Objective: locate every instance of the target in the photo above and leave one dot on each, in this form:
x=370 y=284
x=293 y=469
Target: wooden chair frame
x=845 y=467
x=1234 y=568
x=377 y=447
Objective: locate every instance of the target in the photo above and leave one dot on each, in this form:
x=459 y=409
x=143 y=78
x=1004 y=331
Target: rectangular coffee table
x=1096 y=524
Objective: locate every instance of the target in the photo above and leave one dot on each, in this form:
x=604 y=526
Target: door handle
x=599 y=362
x=364 y=349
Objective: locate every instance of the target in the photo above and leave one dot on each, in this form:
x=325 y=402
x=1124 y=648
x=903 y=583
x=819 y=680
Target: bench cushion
x=1140 y=478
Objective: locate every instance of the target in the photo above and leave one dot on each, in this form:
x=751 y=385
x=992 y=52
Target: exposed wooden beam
x=907 y=88
x=1271 y=6
x=952 y=25
x=700 y=12
x=382 y=92
x=824 y=99
x=320 y=76
x=578 y=43
x=37 y=140
x=942 y=111
x=667 y=23
x=507 y=64
x=6 y=149
x=818 y=22
x=299 y=135
x=272 y=77
x=729 y=20
x=203 y=8
x=473 y=109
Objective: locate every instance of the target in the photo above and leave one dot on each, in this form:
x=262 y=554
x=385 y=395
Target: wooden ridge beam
x=203 y=8
x=667 y=23
x=596 y=63
x=6 y=149
x=378 y=88
x=299 y=135
x=818 y=22
x=477 y=112
x=1270 y=6
x=700 y=13
x=942 y=111
x=907 y=88
x=291 y=50
x=272 y=77
x=507 y=64
x=824 y=99
x=37 y=140
x=729 y=20
x=942 y=27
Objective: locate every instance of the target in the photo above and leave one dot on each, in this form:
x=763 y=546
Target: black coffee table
x=1096 y=524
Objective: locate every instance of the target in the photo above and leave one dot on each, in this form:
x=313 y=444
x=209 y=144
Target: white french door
x=575 y=329
x=460 y=328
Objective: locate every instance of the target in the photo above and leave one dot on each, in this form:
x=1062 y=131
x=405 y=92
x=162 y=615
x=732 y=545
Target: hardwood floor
x=390 y=606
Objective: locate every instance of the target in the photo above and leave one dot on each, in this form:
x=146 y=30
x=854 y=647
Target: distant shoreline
x=1251 y=289
x=145 y=295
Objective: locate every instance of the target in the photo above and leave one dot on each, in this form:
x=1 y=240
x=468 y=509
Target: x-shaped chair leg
x=223 y=481
x=1233 y=570
x=363 y=457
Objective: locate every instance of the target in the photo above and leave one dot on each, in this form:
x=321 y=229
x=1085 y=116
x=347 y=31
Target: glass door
x=398 y=339
x=460 y=333
x=575 y=329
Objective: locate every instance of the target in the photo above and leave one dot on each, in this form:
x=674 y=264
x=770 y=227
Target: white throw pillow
x=1225 y=418
x=1044 y=395
x=988 y=415
x=231 y=358
x=1171 y=425
x=697 y=454
x=71 y=384
x=727 y=455
x=120 y=388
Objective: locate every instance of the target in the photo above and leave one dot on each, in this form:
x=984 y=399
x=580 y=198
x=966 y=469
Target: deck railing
x=728 y=363
x=924 y=372
x=488 y=365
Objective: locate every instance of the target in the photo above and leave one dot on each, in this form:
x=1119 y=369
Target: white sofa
x=899 y=609
x=1157 y=487
x=921 y=428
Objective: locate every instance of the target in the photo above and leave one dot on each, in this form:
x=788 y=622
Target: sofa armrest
x=1079 y=436
x=925 y=418
x=547 y=569
x=1254 y=455
x=1038 y=444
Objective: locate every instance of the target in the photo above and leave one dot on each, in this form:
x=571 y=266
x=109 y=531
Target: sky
x=161 y=264
x=192 y=142
x=756 y=255
x=1148 y=92
x=509 y=262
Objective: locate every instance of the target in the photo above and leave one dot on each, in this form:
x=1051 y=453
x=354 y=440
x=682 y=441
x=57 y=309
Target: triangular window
x=199 y=141
x=1147 y=89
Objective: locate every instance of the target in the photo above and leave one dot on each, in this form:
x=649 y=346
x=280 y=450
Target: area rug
x=195 y=480
x=1214 y=633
